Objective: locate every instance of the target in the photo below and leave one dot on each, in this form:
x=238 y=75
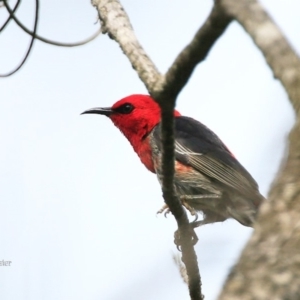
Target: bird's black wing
x=200 y=148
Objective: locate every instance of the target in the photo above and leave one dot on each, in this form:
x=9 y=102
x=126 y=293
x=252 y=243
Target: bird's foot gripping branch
x=178 y=236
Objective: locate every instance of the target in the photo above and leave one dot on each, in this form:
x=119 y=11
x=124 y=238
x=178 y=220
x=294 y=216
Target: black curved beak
x=106 y=111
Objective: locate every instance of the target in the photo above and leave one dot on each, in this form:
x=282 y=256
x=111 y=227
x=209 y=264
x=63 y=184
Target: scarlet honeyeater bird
x=208 y=178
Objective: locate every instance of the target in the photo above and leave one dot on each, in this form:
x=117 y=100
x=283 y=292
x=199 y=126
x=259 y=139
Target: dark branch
x=189 y=256
x=36 y=17
x=185 y=63
x=45 y=40
x=175 y=79
x=10 y=15
x=164 y=90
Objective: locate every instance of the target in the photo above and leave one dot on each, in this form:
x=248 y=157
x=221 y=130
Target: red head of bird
x=135 y=115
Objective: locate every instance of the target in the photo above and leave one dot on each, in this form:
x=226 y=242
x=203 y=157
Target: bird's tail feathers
x=244 y=210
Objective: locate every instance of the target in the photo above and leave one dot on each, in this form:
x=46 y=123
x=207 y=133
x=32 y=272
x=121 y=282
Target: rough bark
x=269 y=267
x=278 y=53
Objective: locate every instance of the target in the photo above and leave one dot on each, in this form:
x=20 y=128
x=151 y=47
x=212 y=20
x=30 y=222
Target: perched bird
x=208 y=178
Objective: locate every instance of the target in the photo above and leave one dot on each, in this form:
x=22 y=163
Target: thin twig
x=36 y=17
x=10 y=15
x=196 y=51
x=181 y=268
x=45 y=40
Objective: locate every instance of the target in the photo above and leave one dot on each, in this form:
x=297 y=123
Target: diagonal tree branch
x=115 y=22
x=196 y=51
x=269 y=267
x=165 y=90
x=278 y=53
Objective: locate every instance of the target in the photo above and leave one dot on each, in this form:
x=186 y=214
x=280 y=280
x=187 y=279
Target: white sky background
x=78 y=210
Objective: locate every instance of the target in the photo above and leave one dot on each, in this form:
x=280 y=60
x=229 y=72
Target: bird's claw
x=167 y=212
x=196 y=223
x=177 y=240
x=165 y=209
x=188 y=207
x=196 y=218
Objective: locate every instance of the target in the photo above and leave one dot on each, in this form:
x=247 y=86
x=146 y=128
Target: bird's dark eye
x=126 y=108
